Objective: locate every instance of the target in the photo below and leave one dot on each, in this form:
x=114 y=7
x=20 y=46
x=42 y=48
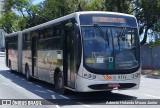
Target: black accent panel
x=111 y=72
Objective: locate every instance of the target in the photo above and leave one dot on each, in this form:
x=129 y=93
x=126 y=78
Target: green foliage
x=55 y=8
x=17 y=15
x=156 y=43
x=7 y=5
x=157 y=26
x=8 y=20
x=122 y=6
x=20 y=14
x=96 y=5
x=148 y=14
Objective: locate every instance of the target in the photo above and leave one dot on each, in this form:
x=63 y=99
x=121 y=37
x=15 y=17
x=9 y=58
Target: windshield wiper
x=123 y=30
x=103 y=34
x=121 y=34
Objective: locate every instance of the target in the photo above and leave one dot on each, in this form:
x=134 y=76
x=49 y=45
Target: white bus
x=82 y=51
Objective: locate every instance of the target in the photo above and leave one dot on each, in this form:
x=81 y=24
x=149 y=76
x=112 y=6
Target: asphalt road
x=15 y=86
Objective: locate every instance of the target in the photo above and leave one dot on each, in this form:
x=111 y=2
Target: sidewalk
x=2 y=54
x=151 y=73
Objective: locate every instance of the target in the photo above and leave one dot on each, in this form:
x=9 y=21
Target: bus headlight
x=94 y=76
x=89 y=76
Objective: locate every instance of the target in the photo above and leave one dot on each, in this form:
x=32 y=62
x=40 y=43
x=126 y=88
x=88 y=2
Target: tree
x=148 y=14
x=122 y=6
x=55 y=8
x=31 y=15
x=8 y=20
x=144 y=10
x=96 y=5
x=18 y=15
x=157 y=26
x=28 y=11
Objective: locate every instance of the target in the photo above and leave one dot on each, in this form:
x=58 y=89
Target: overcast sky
x=37 y=1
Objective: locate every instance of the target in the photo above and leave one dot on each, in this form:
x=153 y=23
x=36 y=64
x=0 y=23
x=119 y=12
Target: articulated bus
x=82 y=52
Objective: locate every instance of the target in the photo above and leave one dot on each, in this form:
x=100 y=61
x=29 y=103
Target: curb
x=2 y=54
x=152 y=76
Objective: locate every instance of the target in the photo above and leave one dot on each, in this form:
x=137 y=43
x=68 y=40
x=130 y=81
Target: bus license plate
x=113 y=85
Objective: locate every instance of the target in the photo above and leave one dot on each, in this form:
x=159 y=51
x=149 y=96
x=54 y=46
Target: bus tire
x=59 y=84
x=28 y=77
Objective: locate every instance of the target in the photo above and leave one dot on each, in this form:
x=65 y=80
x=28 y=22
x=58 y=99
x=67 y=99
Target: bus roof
x=73 y=15
x=50 y=22
x=103 y=12
x=12 y=34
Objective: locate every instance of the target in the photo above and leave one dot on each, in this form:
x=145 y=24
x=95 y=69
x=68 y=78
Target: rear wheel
x=28 y=77
x=59 y=84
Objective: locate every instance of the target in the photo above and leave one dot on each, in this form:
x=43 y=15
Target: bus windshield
x=110 y=47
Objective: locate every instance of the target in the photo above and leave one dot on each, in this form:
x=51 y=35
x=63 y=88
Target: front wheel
x=59 y=84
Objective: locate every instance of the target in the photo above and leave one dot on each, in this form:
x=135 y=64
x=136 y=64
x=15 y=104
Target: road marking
x=84 y=105
x=19 y=87
x=152 y=96
x=58 y=106
x=30 y=82
x=53 y=96
x=64 y=96
x=4 y=84
x=155 y=86
x=40 y=91
x=39 y=86
x=22 y=79
x=17 y=76
x=50 y=91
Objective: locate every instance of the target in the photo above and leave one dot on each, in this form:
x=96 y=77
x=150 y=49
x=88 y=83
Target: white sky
x=37 y=1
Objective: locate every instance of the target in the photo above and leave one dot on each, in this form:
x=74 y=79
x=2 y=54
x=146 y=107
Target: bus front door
x=6 y=46
x=69 y=64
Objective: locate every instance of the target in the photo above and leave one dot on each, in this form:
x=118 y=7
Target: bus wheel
x=59 y=84
x=28 y=77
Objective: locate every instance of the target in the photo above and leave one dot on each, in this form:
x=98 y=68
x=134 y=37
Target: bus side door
x=69 y=57
x=6 y=46
x=34 y=56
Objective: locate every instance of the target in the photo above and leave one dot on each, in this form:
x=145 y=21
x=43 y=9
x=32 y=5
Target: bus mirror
x=76 y=28
x=77 y=46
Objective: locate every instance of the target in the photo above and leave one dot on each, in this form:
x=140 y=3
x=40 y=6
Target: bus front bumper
x=87 y=85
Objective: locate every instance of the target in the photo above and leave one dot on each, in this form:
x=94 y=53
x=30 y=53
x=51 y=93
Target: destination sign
x=108 y=19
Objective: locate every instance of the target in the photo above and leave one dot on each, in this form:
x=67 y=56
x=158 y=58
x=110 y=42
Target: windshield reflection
x=119 y=51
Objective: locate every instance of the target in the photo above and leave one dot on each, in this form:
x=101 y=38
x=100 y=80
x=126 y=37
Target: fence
x=150 y=57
